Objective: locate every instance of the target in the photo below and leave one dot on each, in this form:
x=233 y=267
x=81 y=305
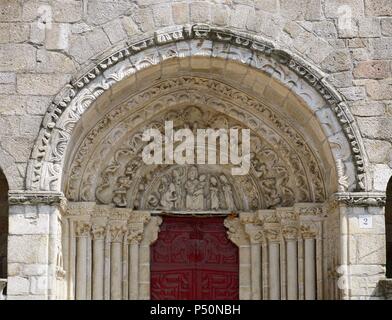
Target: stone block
x=382 y=173
x=376 y=69
x=54 y=62
x=67 y=10
x=378 y=7
x=344 y=8
x=98 y=41
x=17 y=57
x=353 y=93
x=220 y=15
x=266 y=5
x=7 y=77
x=10 y=10
x=341 y=79
x=378 y=150
x=381 y=48
x=180 y=13
x=130 y=26
x=18 y=285
x=162 y=15
x=115 y=31
x=100 y=12
x=41 y=84
x=376 y=128
x=386 y=27
x=369 y=27
x=28 y=249
x=144 y=19
x=301 y=9
x=57 y=37
x=379 y=90
x=29 y=221
x=367 y=249
x=200 y=11
x=337 y=61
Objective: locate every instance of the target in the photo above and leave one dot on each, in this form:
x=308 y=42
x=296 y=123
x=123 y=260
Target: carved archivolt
x=46 y=165
x=109 y=169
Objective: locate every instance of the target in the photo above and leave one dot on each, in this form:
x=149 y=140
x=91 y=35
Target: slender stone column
x=98 y=233
x=310 y=262
x=256 y=236
x=117 y=237
x=290 y=235
x=82 y=234
x=135 y=234
x=274 y=270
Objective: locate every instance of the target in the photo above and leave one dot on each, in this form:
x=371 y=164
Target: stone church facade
x=83 y=217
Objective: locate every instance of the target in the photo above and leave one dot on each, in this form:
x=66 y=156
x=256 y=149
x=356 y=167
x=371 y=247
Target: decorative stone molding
x=79 y=96
x=363 y=199
x=24 y=197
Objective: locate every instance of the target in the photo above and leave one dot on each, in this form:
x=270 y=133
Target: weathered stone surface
x=23 y=57
x=57 y=37
x=100 y=12
x=353 y=93
x=386 y=27
x=36 y=254
x=67 y=11
x=337 y=61
x=378 y=69
x=115 y=31
x=200 y=11
x=41 y=84
x=368 y=109
x=54 y=62
x=376 y=128
x=344 y=8
x=162 y=15
x=382 y=174
x=301 y=10
x=378 y=150
x=180 y=13
x=369 y=27
x=10 y=10
x=379 y=90
x=378 y=7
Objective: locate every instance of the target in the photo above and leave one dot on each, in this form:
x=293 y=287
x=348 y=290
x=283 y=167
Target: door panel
x=193 y=259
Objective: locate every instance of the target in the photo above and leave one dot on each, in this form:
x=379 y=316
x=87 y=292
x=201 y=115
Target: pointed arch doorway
x=193 y=259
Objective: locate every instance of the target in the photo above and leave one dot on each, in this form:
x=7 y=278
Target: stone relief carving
x=79 y=96
x=274 y=180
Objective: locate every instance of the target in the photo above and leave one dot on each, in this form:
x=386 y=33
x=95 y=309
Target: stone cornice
x=363 y=199
x=23 y=197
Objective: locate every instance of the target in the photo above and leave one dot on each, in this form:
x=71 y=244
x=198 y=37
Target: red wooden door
x=194 y=259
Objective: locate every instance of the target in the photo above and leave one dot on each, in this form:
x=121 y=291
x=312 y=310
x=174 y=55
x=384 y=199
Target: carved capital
x=82 y=228
x=98 y=232
x=290 y=233
x=308 y=232
x=235 y=231
x=117 y=232
x=273 y=234
x=135 y=233
x=255 y=233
